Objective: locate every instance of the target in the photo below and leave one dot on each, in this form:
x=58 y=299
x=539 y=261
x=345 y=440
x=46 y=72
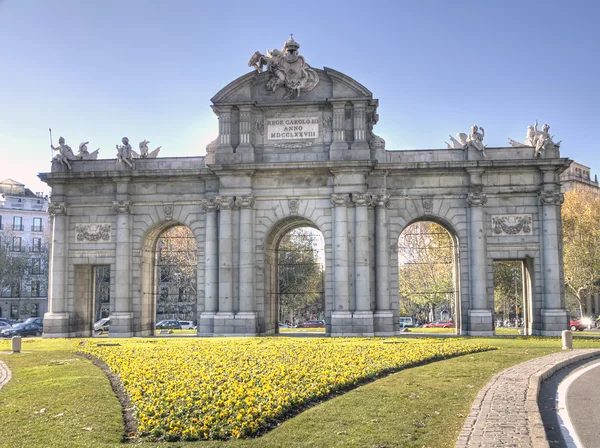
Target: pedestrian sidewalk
x=505 y=412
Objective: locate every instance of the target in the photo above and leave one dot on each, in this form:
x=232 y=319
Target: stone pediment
x=251 y=88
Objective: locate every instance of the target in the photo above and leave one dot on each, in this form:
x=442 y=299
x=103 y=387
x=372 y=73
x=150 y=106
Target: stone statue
x=125 y=154
x=473 y=140
x=539 y=140
x=287 y=69
x=144 y=151
x=84 y=154
x=65 y=153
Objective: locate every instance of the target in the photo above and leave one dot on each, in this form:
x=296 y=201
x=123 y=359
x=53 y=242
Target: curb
x=5 y=374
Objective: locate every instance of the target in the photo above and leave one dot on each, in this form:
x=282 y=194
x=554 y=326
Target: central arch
x=276 y=268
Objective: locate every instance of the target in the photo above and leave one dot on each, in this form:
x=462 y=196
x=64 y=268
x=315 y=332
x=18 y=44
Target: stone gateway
x=296 y=148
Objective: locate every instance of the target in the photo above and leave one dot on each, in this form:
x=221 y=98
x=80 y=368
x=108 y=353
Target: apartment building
x=24 y=230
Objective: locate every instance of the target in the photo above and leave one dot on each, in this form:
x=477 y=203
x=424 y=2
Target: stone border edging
x=5 y=374
x=506 y=408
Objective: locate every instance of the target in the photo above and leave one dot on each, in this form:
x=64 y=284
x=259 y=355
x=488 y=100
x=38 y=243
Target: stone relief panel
x=512 y=225
x=94 y=233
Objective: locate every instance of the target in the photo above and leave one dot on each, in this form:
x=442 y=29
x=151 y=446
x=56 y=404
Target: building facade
x=23 y=231
x=296 y=148
x=577 y=177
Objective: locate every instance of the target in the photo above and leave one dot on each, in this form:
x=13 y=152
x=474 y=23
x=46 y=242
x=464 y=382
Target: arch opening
x=428 y=277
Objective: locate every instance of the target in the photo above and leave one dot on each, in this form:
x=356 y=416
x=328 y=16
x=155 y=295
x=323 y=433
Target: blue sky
x=101 y=70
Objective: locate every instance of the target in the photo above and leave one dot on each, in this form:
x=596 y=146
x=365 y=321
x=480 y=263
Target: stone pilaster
x=211 y=269
x=480 y=316
x=362 y=317
x=245 y=318
x=341 y=317
x=383 y=317
x=554 y=317
x=121 y=317
x=360 y=145
x=338 y=145
x=245 y=150
x=56 y=320
x=224 y=114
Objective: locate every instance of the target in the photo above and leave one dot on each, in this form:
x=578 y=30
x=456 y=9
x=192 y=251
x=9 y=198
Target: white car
x=187 y=324
x=4 y=325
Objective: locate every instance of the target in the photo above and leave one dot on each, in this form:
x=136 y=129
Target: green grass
x=419 y=407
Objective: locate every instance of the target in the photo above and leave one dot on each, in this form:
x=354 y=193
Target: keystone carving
x=427 y=205
x=168 y=210
x=293 y=204
x=95 y=233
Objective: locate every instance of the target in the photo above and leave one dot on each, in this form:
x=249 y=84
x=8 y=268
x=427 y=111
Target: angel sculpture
x=84 y=154
x=473 y=140
x=65 y=153
x=125 y=154
x=144 y=151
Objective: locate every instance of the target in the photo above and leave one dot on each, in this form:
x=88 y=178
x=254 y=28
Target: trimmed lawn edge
x=130 y=422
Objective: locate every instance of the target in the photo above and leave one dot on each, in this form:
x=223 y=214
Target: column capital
x=551 y=197
x=244 y=201
x=340 y=200
x=381 y=200
x=362 y=199
x=123 y=207
x=225 y=202
x=209 y=205
x=57 y=208
x=476 y=196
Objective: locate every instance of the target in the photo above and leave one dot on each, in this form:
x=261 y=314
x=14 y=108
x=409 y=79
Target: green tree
x=425 y=268
x=581 y=244
x=300 y=274
x=508 y=288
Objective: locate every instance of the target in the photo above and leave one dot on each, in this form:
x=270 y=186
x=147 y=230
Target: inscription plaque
x=292 y=128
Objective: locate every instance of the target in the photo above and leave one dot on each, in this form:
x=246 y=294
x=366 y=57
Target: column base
x=341 y=323
x=362 y=323
x=554 y=321
x=121 y=325
x=206 y=324
x=480 y=323
x=383 y=323
x=245 y=323
x=56 y=325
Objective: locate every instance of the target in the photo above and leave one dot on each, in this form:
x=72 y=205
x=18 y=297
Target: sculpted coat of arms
x=287 y=68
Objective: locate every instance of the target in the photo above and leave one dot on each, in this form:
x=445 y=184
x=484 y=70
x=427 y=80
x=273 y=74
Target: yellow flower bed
x=218 y=389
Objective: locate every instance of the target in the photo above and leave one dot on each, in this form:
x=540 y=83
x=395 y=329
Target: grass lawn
x=57 y=399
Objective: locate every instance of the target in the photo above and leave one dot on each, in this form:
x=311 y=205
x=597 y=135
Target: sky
x=96 y=70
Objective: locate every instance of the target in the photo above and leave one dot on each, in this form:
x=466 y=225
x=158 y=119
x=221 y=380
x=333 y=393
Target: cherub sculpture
x=125 y=154
x=539 y=140
x=84 y=154
x=473 y=140
x=144 y=151
x=65 y=153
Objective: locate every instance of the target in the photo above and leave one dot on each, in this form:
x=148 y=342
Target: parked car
x=312 y=324
x=39 y=321
x=439 y=324
x=168 y=325
x=102 y=326
x=284 y=325
x=576 y=325
x=406 y=321
x=4 y=325
x=187 y=325
x=22 y=330
x=5 y=320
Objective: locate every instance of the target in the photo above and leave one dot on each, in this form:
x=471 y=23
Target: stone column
x=56 y=320
x=341 y=317
x=480 y=315
x=121 y=318
x=246 y=316
x=383 y=317
x=362 y=318
x=360 y=130
x=339 y=122
x=211 y=269
x=224 y=324
x=554 y=317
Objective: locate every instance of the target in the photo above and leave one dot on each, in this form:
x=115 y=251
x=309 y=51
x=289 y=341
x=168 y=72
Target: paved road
x=583 y=404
